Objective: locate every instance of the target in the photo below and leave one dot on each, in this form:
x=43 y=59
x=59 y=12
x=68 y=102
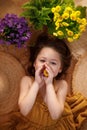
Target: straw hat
x=11 y=72
x=79 y=78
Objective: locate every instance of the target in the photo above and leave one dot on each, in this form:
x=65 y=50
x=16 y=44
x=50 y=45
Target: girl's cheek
x=56 y=72
x=38 y=66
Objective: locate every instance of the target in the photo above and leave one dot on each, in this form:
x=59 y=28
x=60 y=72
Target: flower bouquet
x=62 y=18
x=14 y=30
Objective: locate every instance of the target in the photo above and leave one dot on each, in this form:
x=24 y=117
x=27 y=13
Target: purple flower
x=14 y=30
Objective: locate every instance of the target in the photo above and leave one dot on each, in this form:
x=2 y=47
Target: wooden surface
x=11 y=6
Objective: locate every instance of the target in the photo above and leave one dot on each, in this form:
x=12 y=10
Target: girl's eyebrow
x=54 y=60
x=51 y=59
x=43 y=57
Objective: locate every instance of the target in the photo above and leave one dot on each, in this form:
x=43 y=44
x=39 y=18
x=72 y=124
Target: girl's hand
x=48 y=79
x=38 y=77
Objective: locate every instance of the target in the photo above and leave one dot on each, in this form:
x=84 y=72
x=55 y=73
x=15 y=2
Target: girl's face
x=50 y=57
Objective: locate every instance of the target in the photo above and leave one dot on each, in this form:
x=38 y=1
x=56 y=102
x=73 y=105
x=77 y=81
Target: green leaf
x=38 y=12
x=26 y=5
x=69 y=2
x=55 y=2
x=51 y=27
x=82 y=10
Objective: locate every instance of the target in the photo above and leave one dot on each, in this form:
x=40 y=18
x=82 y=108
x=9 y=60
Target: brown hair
x=58 y=45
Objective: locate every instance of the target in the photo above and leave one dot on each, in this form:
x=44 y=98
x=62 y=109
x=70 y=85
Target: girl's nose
x=47 y=63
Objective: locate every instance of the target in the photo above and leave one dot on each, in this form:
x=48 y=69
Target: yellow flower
x=67 y=19
x=57 y=28
x=65 y=24
x=68 y=9
x=83 y=21
x=55 y=34
x=57 y=24
x=60 y=33
x=78 y=13
x=60 y=19
x=70 y=33
x=65 y=15
x=58 y=8
x=82 y=28
x=61 y=25
x=73 y=16
x=56 y=16
x=67 y=29
x=78 y=20
x=76 y=36
x=53 y=10
x=70 y=39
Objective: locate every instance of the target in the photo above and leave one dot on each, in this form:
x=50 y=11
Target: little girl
x=43 y=92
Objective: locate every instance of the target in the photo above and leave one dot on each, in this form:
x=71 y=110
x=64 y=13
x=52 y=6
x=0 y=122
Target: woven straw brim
x=11 y=72
x=79 y=78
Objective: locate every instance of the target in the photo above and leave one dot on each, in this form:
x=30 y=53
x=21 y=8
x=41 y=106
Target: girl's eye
x=53 y=63
x=42 y=60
